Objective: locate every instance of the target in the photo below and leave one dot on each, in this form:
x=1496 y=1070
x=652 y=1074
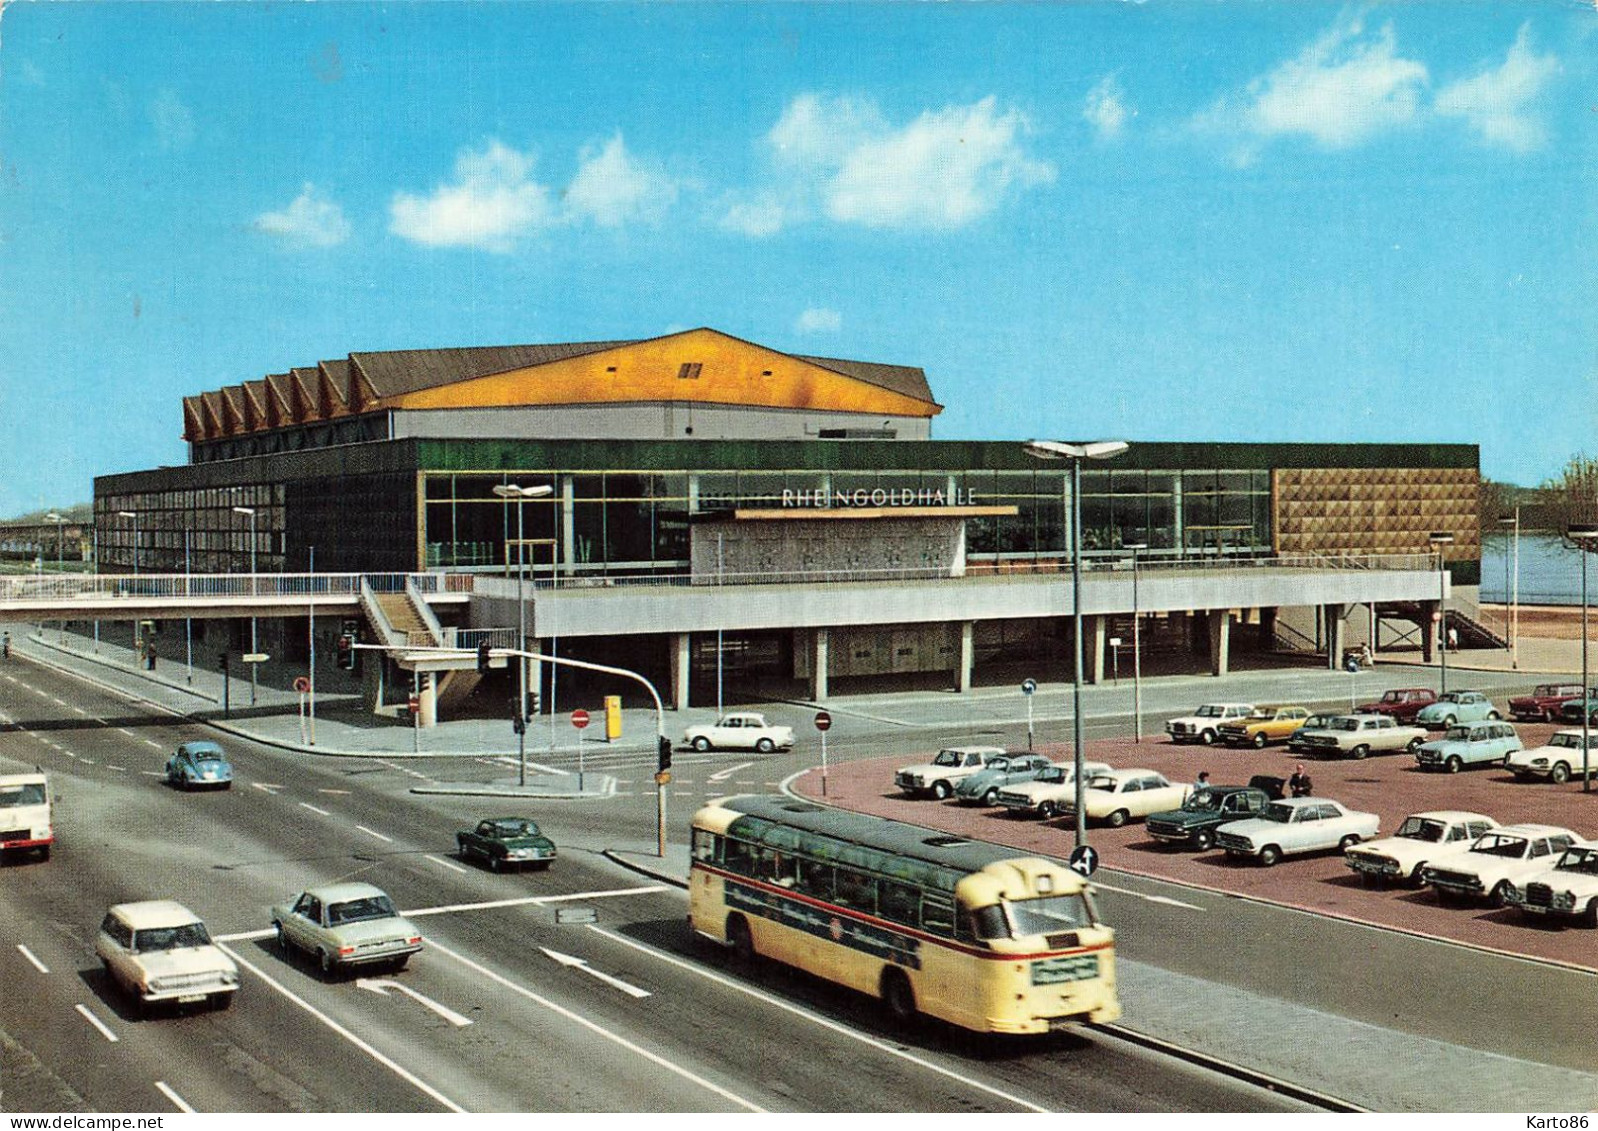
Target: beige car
x=160 y=951
x=1118 y=796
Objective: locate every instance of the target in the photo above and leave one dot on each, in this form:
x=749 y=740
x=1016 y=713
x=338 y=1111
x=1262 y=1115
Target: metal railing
x=77 y=586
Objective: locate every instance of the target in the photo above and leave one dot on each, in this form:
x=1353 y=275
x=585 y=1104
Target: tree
x=1571 y=497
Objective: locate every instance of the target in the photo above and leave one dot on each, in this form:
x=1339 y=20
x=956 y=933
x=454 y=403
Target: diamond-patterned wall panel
x=1375 y=511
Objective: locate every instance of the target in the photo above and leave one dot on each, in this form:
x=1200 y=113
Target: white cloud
x=174 y=124
x=840 y=157
x=818 y=320
x=1341 y=90
x=1105 y=108
x=612 y=187
x=492 y=202
x=1496 y=101
x=308 y=221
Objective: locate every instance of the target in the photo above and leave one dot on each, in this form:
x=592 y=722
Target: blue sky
x=1157 y=221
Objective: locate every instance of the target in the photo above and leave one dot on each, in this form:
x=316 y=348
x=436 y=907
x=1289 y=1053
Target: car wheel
x=701 y=744
x=1445 y=897
x=542 y=866
x=221 y=1001
x=1560 y=774
x=1048 y=810
x=1494 y=716
x=1207 y=737
x=1449 y=720
x=44 y=853
x=495 y=863
x=1414 y=744
x=282 y=939
x=1347 y=842
x=1270 y=855
x=325 y=961
x=399 y=963
x=741 y=941
x=765 y=746
x=1454 y=765
x=1259 y=740
x=898 y=995
x=1360 y=752
x=1203 y=839
x=1499 y=897
x=1118 y=818
x=1589 y=918
x=991 y=797
x=941 y=790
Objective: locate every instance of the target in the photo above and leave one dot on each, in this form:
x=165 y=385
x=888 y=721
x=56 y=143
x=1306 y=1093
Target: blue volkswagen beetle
x=1456 y=707
x=982 y=787
x=199 y=765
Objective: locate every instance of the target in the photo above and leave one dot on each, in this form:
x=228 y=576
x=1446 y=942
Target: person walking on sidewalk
x=149 y=655
x=5 y=647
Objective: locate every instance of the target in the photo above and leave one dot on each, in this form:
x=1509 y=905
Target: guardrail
x=68 y=587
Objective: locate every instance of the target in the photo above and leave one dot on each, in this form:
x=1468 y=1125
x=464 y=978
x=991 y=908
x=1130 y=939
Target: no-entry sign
x=579 y=718
x=823 y=720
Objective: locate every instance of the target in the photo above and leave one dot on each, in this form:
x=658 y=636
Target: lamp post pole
x=133 y=516
x=1137 y=649
x=1512 y=595
x=1582 y=535
x=1076 y=453
x=1440 y=539
x=254 y=649
x=521 y=495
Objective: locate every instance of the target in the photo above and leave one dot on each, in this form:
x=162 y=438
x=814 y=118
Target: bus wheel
x=898 y=995
x=743 y=943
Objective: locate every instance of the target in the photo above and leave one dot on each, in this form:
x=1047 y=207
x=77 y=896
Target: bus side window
x=937 y=914
x=899 y=903
x=739 y=856
x=855 y=889
x=776 y=867
x=705 y=846
x=815 y=879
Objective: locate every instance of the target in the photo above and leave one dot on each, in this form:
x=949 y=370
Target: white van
x=25 y=814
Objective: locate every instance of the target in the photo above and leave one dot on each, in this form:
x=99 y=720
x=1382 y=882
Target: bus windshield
x=1043 y=916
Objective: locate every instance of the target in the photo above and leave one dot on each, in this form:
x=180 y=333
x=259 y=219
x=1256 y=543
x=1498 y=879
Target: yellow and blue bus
x=972 y=933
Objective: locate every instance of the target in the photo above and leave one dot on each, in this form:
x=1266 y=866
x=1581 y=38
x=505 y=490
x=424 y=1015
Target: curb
x=614 y=855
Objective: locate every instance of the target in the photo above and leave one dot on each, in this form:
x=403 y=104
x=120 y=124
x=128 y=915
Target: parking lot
x=1389 y=786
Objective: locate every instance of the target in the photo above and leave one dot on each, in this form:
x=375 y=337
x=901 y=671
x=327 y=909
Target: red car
x=1403 y=703
x=1544 y=701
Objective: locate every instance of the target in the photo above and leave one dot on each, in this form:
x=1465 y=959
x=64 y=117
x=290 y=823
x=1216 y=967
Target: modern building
x=717 y=504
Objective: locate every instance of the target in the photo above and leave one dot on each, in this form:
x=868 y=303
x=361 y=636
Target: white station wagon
x=160 y=951
x=1295 y=825
x=742 y=731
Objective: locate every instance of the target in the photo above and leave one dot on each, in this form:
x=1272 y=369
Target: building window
x=689 y=371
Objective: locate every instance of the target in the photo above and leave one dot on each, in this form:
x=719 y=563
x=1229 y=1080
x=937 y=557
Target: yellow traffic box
x=612 y=717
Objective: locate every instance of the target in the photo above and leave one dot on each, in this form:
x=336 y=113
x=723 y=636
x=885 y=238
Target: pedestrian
x=1299 y=784
x=1453 y=639
x=149 y=655
x=5 y=647
x=1203 y=779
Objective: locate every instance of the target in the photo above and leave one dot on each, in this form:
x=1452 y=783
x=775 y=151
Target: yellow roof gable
x=697 y=365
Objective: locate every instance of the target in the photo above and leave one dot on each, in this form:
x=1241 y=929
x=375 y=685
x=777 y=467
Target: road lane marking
x=153 y=743
x=96 y=1022
x=381 y=986
x=266 y=787
x=245 y=936
x=374 y=832
x=118 y=769
x=152 y=773
x=593 y=1027
x=582 y=964
x=29 y=955
x=526 y=900
x=387 y=1062
x=824 y=1022
x=337 y=792
x=314 y=809
x=1165 y=899
x=723 y=775
x=445 y=863
x=177 y=1101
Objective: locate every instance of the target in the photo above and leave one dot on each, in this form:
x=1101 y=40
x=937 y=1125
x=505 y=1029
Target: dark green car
x=1209 y=807
x=503 y=842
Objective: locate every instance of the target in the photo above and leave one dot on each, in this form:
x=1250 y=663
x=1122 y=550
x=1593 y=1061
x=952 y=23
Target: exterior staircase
x=1468 y=622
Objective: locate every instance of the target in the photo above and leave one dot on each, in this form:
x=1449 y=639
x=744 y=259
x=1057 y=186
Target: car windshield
x=360 y=910
x=1458 y=734
x=170 y=938
x=1202 y=801
x=949 y=758
x=1513 y=847
x=1422 y=828
x=1583 y=860
x=1025 y=917
x=1567 y=741
x=30 y=793
x=1210 y=711
x=515 y=828
x=1282 y=814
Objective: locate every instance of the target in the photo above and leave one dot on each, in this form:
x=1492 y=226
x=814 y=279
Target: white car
x=1421 y=839
x=1496 y=861
x=160 y=951
x=1204 y=724
x=1052 y=793
x=952 y=763
x=1294 y=825
x=743 y=730
x=1559 y=761
x=1117 y=796
x=25 y=814
x=1568 y=890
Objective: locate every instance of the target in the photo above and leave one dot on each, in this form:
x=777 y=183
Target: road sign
x=255 y=657
x=823 y=721
x=302 y=684
x=1028 y=686
x=1084 y=860
x=579 y=718
x=1115 y=642
x=663 y=777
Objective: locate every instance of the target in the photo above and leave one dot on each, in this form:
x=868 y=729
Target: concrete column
x=1096 y=630
x=568 y=525
x=428 y=697
x=1336 y=634
x=1267 y=636
x=968 y=651
x=1220 y=626
x=680 y=670
x=1428 y=631
x=818 y=664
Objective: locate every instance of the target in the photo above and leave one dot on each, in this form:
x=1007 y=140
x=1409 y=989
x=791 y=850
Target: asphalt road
x=517 y=1003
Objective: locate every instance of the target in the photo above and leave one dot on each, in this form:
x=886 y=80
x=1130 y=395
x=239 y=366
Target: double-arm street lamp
x=521 y=495
x=254 y=650
x=1137 y=646
x=1512 y=595
x=1438 y=540
x=1584 y=535
x=1076 y=453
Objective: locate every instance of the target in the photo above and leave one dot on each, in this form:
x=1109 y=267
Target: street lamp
x=1137 y=648
x=1512 y=596
x=133 y=516
x=254 y=650
x=1076 y=453
x=1439 y=539
x=1583 y=535
x=521 y=495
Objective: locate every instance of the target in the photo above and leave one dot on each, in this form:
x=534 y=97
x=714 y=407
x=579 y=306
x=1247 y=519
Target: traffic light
x=482 y=659
x=346 y=652
x=665 y=754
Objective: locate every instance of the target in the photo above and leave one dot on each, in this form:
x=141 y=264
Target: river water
x=1550 y=570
